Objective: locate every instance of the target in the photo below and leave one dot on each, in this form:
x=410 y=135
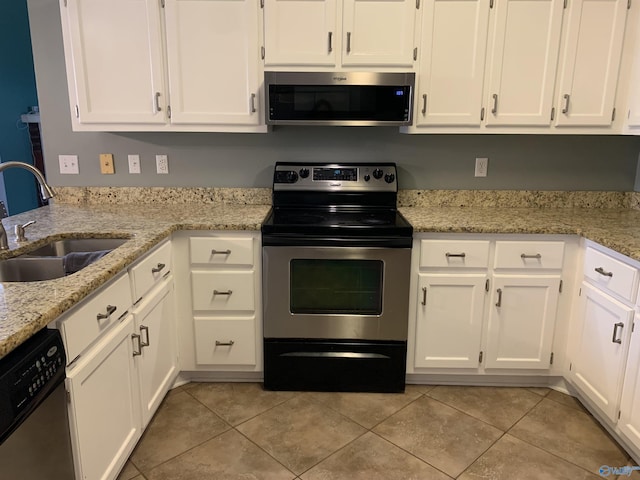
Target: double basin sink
x=56 y=259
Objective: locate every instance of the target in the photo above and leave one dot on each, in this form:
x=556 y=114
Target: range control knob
x=389 y=177
x=292 y=177
x=367 y=177
x=304 y=172
x=377 y=174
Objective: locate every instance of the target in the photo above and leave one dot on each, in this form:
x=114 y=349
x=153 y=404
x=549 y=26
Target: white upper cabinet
x=452 y=62
x=300 y=32
x=114 y=61
x=378 y=32
x=212 y=52
x=591 y=61
x=525 y=42
x=330 y=33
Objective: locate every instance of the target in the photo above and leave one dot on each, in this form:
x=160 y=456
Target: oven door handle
x=353 y=355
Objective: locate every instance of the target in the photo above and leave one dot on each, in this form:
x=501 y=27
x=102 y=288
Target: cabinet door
x=300 y=32
x=212 y=55
x=522 y=321
x=158 y=363
x=378 y=32
x=114 y=50
x=449 y=320
x=601 y=348
x=454 y=43
x=524 y=53
x=104 y=411
x=629 y=422
x=589 y=72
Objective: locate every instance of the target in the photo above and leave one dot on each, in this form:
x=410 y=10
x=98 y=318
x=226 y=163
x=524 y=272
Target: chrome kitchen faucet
x=45 y=190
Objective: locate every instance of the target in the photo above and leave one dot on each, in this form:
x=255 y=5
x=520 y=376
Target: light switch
x=106 y=164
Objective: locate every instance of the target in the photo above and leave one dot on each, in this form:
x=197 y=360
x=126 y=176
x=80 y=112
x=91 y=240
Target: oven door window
x=351 y=287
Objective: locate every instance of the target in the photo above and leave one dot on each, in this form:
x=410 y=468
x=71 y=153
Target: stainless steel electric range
x=336 y=266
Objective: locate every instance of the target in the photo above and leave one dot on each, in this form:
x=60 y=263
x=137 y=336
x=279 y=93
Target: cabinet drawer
x=222 y=250
x=225 y=342
x=150 y=270
x=454 y=254
x=529 y=255
x=94 y=316
x=222 y=290
x=611 y=274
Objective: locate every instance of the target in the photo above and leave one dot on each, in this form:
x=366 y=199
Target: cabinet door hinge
x=417 y=4
x=613 y=115
x=486 y=285
x=262 y=52
x=553 y=113
x=169 y=111
x=415 y=54
x=482 y=114
x=480 y=356
x=560 y=287
x=77 y=111
x=551 y=359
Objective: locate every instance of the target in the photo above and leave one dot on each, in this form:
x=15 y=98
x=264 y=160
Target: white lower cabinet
x=629 y=422
x=104 y=409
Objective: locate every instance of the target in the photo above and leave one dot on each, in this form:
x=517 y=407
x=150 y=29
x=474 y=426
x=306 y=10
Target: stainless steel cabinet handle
x=225 y=344
x=157 y=101
x=218 y=292
x=459 y=255
x=330 y=42
x=220 y=252
x=348 y=42
x=158 y=268
x=566 y=97
x=110 y=310
x=253 y=103
x=602 y=271
x=144 y=343
x=424 y=295
x=136 y=338
x=537 y=255
x=619 y=325
x=424 y=104
x=499 y=302
x=494 y=110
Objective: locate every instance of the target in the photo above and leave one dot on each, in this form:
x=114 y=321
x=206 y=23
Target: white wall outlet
x=162 y=164
x=69 y=164
x=134 y=163
x=482 y=166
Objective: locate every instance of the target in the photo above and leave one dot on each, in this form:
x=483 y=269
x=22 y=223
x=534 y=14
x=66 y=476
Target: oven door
x=336 y=293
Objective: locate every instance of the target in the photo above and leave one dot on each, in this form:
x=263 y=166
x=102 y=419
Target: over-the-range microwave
x=339 y=98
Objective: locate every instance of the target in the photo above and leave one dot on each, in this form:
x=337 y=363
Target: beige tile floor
x=239 y=431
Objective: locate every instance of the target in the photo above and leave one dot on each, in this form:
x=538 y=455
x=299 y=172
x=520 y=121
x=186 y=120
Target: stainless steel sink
x=60 y=248
x=31 y=269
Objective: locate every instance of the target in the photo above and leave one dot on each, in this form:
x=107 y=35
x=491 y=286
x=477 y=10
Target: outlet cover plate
x=134 y=163
x=68 y=164
x=162 y=164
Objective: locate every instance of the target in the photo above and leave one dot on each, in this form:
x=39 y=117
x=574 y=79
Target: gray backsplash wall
x=528 y=162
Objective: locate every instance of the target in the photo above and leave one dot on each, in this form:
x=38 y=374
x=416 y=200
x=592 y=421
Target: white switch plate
x=68 y=164
x=134 y=163
x=162 y=164
x=482 y=166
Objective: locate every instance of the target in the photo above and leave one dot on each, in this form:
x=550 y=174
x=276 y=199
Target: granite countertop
x=29 y=306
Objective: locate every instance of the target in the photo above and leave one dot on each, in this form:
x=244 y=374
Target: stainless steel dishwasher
x=34 y=426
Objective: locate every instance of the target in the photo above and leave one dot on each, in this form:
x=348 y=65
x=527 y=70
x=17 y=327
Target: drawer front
x=454 y=254
x=529 y=255
x=150 y=270
x=222 y=290
x=221 y=250
x=225 y=342
x=95 y=315
x=610 y=274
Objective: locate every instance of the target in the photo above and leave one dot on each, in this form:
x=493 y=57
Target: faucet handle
x=19 y=230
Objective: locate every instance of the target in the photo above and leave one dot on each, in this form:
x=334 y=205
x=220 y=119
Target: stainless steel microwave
x=339 y=98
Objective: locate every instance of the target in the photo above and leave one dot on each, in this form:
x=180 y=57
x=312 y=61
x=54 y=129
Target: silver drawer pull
x=220 y=252
x=537 y=256
x=615 y=333
x=136 y=339
x=602 y=271
x=459 y=255
x=218 y=292
x=225 y=344
x=158 y=268
x=499 y=302
x=144 y=343
x=110 y=310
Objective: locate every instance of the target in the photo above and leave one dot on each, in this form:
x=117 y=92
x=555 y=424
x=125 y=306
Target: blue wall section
x=17 y=93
